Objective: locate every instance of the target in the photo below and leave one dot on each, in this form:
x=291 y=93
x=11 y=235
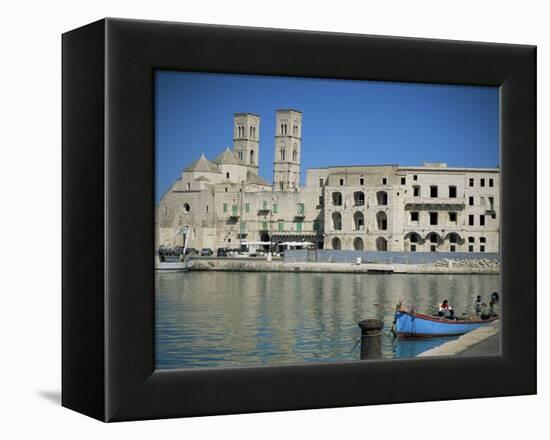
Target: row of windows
x=280 y=225
x=382 y=197
x=359 y=221
x=282 y=152
x=434 y=218
x=284 y=130
x=358 y=198
x=240 y=155
x=300 y=208
x=433 y=188
x=452 y=248
x=483 y=201
x=241 y=132
x=481 y=182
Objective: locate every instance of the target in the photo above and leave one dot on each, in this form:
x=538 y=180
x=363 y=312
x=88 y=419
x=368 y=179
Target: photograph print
x=307 y=220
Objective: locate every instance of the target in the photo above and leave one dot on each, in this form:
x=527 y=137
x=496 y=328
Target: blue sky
x=344 y=122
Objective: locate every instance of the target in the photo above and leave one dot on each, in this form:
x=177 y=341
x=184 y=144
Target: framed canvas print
x=262 y=219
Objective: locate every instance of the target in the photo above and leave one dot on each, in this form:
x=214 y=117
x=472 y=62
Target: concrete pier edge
x=465 y=342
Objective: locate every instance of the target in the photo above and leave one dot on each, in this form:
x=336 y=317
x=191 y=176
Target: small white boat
x=175 y=263
x=175 y=266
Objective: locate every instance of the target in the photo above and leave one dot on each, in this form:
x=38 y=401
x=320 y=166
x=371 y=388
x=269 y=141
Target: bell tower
x=246 y=139
x=288 y=144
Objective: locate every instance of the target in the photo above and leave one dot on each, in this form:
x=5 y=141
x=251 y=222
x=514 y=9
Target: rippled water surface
x=211 y=319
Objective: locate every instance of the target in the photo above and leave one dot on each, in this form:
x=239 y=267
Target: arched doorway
x=358 y=244
x=381 y=244
x=336 y=244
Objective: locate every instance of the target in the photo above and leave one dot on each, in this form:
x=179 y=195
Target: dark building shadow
x=52 y=396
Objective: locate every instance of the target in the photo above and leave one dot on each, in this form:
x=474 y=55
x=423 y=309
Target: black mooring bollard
x=371 y=338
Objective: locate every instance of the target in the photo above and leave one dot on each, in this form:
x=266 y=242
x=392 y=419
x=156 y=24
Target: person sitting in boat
x=493 y=304
x=477 y=305
x=485 y=312
x=445 y=310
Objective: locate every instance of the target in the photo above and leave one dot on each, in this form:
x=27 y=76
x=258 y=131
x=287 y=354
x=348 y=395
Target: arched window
x=251 y=157
x=358 y=244
x=227 y=175
x=358 y=198
x=382 y=221
x=382 y=198
x=295 y=155
x=337 y=198
x=282 y=154
x=381 y=244
x=434 y=238
x=188 y=186
x=336 y=221
x=358 y=221
x=251 y=132
x=336 y=243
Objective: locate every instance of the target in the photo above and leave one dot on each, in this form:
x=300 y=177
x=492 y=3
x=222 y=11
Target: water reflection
x=207 y=319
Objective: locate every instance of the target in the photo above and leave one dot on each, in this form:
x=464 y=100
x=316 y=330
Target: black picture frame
x=108 y=219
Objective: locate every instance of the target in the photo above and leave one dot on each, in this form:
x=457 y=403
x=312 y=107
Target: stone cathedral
x=428 y=208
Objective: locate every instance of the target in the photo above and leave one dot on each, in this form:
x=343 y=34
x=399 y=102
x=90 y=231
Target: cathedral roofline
x=203 y=165
x=246 y=114
x=408 y=168
x=288 y=110
x=226 y=157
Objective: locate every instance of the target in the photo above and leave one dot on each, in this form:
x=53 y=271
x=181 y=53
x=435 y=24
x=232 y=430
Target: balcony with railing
x=434 y=203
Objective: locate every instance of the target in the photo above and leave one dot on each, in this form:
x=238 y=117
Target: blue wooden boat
x=418 y=325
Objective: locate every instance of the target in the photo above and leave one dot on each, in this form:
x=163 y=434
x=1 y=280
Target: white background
x=30 y=173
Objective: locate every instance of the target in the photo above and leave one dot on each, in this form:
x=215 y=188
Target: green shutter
x=275 y=208
x=281 y=226
x=235 y=211
x=264 y=226
x=300 y=208
x=298 y=226
x=265 y=204
x=225 y=207
x=243 y=227
x=247 y=207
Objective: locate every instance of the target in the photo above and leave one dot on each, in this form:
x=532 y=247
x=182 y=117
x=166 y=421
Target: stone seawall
x=261 y=265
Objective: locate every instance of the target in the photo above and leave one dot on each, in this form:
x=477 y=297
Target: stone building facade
x=429 y=208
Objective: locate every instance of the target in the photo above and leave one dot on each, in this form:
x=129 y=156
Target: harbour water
x=224 y=319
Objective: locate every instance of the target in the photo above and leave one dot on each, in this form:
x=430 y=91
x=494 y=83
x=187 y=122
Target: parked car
x=191 y=251
x=206 y=252
x=222 y=252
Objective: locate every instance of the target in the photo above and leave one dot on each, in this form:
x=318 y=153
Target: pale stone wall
x=384 y=207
